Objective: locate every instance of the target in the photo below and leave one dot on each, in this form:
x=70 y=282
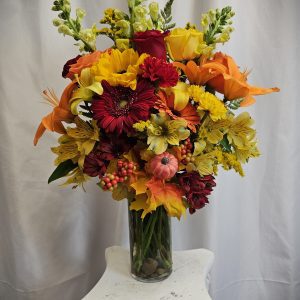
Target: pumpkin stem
x=164 y=160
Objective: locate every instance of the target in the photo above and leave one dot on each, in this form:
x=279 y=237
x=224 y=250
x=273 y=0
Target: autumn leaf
x=167 y=194
x=120 y=192
x=140 y=185
x=112 y=166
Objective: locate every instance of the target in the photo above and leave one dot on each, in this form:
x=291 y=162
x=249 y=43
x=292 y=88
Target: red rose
x=67 y=66
x=151 y=42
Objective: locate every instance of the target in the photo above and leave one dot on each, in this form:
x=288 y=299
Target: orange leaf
x=167 y=194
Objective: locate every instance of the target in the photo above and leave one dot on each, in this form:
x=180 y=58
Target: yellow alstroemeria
x=87 y=88
x=162 y=131
x=119 y=68
x=77 y=142
x=251 y=150
x=212 y=131
x=76 y=177
x=239 y=132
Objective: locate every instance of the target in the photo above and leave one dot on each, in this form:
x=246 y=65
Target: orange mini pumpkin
x=163 y=166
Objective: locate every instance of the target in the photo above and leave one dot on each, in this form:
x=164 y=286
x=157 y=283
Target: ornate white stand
x=188 y=280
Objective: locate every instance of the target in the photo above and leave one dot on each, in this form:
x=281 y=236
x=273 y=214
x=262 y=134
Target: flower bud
x=65 y=30
x=119 y=15
x=140 y=13
x=154 y=9
x=139 y=27
x=55 y=8
x=131 y=3
x=122 y=44
x=124 y=28
x=57 y=22
x=67 y=8
x=80 y=13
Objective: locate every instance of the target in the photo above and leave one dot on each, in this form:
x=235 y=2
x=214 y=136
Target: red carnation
x=196 y=188
x=67 y=66
x=94 y=165
x=118 y=108
x=158 y=70
x=151 y=42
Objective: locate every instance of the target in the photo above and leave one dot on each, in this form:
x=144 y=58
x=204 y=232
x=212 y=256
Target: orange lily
x=233 y=83
x=167 y=104
x=61 y=112
x=223 y=75
x=198 y=74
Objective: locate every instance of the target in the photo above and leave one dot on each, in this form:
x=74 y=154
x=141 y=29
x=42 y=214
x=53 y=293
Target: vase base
x=149 y=279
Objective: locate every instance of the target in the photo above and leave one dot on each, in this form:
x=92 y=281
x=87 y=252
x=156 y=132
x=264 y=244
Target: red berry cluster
x=124 y=169
x=186 y=152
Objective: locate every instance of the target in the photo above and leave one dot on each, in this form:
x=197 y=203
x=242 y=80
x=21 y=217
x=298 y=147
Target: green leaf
x=225 y=144
x=62 y=170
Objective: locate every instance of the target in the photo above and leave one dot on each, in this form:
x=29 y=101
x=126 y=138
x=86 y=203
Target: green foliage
x=226 y=147
x=234 y=104
x=166 y=14
x=62 y=170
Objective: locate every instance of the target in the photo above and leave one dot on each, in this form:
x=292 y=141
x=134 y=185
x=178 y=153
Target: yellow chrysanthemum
x=195 y=92
x=210 y=103
x=119 y=68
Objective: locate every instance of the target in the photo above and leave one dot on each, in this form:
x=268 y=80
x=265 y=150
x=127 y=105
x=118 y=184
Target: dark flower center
x=176 y=113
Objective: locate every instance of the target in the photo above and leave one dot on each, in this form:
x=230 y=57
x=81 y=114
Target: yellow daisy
x=119 y=68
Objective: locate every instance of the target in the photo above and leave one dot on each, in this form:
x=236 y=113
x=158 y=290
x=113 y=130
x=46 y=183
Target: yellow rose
x=183 y=44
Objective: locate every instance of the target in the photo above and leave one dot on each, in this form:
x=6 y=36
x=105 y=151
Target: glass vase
x=150 y=245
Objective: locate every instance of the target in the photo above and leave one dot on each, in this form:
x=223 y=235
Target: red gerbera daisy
x=158 y=70
x=118 y=108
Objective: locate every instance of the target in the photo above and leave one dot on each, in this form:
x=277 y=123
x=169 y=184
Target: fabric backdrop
x=52 y=239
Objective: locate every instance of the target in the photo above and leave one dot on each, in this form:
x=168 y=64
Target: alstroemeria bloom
x=61 y=112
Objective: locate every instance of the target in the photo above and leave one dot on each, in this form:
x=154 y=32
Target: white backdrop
x=52 y=239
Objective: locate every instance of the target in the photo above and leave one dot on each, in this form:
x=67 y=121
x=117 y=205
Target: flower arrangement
x=154 y=116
